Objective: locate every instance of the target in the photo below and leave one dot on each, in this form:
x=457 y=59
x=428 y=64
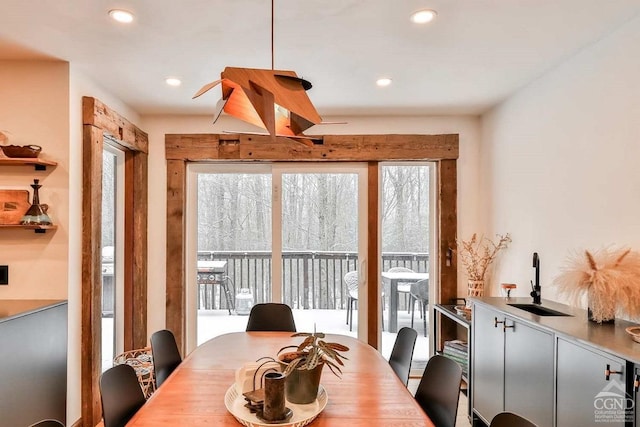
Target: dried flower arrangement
x=478 y=253
x=609 y=278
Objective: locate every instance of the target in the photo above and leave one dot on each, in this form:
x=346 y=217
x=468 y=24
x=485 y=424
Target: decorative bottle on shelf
x=37 y=213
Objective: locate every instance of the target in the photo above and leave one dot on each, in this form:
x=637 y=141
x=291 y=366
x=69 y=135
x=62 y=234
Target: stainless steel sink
x=539 y=310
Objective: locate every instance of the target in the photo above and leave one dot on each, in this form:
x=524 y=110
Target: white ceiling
x=476 y=53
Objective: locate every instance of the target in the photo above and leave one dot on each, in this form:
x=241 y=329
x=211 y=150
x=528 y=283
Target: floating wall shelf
x=38 y=164
x=35 y=228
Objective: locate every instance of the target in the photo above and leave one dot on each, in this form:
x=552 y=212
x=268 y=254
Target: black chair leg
x=351 y=316
x=348 y=308
x=413 y=310
x=424 y=317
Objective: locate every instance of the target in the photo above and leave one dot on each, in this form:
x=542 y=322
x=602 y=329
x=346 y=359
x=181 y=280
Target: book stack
x=457 y=350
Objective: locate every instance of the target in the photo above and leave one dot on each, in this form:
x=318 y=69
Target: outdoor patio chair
x=271 y=317
x=439 y=390
x=402 y=353
x=351 y=282
x=420 y=293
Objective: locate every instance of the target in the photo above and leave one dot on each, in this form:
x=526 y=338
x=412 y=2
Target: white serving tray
x=302 y=414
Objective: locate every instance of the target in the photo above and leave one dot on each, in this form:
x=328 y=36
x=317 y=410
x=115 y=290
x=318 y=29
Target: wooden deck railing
x=313 y=279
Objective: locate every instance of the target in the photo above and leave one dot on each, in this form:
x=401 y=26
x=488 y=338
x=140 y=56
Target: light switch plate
x=4 y=274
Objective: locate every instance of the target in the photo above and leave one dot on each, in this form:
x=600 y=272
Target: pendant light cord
x=272 y=19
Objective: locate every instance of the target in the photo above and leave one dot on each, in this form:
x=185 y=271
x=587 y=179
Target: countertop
x=611 y=338
x=14 y=308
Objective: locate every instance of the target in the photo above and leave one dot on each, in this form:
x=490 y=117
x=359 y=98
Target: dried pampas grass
x=609 y=278
x=478 y=253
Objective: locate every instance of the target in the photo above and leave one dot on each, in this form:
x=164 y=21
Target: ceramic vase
x=37 y=213
x=475 y=288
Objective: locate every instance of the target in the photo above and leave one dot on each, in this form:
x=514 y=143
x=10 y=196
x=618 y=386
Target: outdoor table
x=368 y=393
x=393 y=278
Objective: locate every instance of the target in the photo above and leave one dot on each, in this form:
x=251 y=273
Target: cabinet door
x=488 y=362
x=585 y=396
x=636 y=391
x=528 y=372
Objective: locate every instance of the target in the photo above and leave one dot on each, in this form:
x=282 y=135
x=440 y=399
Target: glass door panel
x=233 y=248
x=320 y=245
x=406 y=219
x=112 y=254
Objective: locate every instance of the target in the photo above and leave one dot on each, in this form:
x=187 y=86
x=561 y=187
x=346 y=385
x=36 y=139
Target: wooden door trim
x=99 y=121
x=181 y=149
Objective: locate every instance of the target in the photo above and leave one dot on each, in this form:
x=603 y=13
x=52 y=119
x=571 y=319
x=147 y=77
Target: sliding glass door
x=251 y=226
x=321 y=220
x=407 y=233
x=112 y=254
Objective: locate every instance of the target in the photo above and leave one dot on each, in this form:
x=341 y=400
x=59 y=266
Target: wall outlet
x=4 y=274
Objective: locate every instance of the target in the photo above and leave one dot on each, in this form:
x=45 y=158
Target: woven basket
x=142 y=362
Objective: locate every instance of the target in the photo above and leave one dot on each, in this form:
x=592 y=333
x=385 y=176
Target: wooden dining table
x=367 y=394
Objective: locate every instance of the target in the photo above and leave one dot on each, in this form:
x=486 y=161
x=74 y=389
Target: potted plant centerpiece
x=302 y=365
x=609 y=280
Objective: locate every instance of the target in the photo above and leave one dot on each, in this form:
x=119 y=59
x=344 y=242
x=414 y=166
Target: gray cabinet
x=513 y=367
x=488 y=363
x=33 y=352
x=591 y=387
x=528 y=372
x=636 y=393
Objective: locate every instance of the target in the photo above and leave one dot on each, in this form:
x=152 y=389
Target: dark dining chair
x=271 y=316
x=420 y=294
x=166 y=356
x=402 y=353
x=351 y=282
x=47 y=423
x=439 y=390
x=120 y=394
x=509 y=419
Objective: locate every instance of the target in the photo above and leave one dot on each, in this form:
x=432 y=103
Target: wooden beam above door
x=335 y=148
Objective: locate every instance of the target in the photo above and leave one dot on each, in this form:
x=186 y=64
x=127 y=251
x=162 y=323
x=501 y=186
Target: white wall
x=559 y=161
x=157 y=126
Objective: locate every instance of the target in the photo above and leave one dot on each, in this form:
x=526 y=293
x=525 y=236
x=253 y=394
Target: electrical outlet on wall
x=4 y=274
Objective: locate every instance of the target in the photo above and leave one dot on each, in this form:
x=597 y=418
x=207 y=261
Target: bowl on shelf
x=634 y=331
x=461 y=310
x=24 y=151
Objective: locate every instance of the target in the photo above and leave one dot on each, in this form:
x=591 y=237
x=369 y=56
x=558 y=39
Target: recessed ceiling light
x=385 y=81
x=121 y=15
x=423 y=16
x=172 y=81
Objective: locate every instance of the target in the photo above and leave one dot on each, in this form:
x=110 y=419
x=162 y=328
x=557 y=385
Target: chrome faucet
x=536 y=291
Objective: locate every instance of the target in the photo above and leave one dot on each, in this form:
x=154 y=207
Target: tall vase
x=475 y=288
x=37 y=213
